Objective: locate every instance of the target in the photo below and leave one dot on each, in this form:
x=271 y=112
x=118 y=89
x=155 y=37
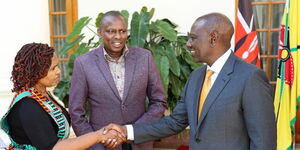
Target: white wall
x=22 y=21
x=181 y=12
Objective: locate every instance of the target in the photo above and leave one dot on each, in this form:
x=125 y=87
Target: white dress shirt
x=217 y=66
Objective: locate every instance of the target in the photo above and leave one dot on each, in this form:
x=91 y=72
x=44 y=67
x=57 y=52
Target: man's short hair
x=112 y=13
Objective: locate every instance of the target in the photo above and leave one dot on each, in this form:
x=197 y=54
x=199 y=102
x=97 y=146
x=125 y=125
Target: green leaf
x=173 y=25
x=144 y=9
x=78 y=26
x=90 y=40
x=164 y=71
x=139 y=29
x=62 y=89
x=96 y=44
x=153 y=26
x=157 y=61
x=69 y=46
x=180 y=45
x=161 y=50
x=177 y=85
x=182 y=40
x=174 y=64
x=151 y=13
x=190 y=60
x=125 y=14
x=166 y=30
x=196 y=65
x=157 y=58
x=177 y=50
x=185 y=71
x=79 y=51
x=98 y=19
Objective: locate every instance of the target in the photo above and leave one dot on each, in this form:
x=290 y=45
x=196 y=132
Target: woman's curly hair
x=31 y=64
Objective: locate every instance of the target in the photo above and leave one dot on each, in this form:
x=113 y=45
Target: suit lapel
x=104 y=69
x=198 y=88
x=130 y=63
x=220 y=83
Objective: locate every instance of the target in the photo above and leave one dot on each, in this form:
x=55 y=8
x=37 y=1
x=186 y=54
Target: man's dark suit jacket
x=93 y=83
x=238 y=113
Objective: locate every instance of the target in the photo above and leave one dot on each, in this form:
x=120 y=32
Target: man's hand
x=112 y=139
x=121 y=129
x=121 y=132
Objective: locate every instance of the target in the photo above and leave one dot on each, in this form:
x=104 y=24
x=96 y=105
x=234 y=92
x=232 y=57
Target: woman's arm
x=86 y=140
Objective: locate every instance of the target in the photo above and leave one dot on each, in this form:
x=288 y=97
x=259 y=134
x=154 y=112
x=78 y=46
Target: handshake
x=112 y=135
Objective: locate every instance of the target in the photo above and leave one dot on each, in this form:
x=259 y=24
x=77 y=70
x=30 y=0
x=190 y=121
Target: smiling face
x=210 y=37
x=114 y=34
x=53 y=76
x=198 y=42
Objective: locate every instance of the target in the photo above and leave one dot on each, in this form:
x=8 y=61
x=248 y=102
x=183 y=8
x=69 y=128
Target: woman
x=35 y=120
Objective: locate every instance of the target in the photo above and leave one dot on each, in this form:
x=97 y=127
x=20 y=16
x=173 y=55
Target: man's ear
x=99 y=32
x=213 y=37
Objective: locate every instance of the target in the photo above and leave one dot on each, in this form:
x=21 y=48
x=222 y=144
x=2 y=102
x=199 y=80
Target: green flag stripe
x=294 y=49
x=297 y=107
x=286 y=27
x=281 y=83
x=293 y=121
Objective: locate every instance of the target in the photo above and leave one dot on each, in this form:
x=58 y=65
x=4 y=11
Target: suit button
x=198 y=140
x=123 y=106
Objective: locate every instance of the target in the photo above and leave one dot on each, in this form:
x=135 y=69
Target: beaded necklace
x=48 y=106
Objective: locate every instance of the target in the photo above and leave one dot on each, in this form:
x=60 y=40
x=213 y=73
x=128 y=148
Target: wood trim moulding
x=58 y=13
x=51 y=22
x=266 y=30
x=235 y=15
x=268 y=2
x=74 y=10
x=58 y=36
x=268 y=56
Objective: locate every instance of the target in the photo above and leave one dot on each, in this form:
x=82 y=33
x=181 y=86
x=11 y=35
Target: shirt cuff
x=130 y=133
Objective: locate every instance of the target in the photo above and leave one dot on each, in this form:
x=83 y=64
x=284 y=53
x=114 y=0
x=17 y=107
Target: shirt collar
x=109 y=58
x=219 y=63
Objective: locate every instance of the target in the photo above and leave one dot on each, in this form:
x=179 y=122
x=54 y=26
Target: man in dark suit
x=227 y=103
x=115 y=80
